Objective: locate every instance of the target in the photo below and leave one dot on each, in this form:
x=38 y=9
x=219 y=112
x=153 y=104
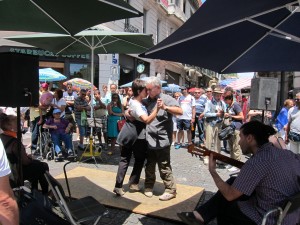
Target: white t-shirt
x=186 y=103
x=294 y=118
x=59 y=103
x=137 y=109
x=4 y=165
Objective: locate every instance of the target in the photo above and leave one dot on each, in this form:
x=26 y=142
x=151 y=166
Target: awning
x=227 y=81
x=241 y=83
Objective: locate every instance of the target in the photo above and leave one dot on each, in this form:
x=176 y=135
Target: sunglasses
x=208 y=91
x=197 y=92
x=297 y=100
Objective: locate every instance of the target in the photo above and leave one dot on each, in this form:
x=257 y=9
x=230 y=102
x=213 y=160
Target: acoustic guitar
x=203 y=151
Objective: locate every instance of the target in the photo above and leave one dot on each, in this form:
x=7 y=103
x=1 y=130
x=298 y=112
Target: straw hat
x=218 y=90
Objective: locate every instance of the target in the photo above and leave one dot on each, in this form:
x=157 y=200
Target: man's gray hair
x=154 y=81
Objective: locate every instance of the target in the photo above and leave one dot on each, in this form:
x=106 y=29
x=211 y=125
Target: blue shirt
x=200 y=104
x=282 y=118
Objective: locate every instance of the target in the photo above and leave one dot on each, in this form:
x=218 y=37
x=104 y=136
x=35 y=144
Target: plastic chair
x=292 y=204
x=79 y=211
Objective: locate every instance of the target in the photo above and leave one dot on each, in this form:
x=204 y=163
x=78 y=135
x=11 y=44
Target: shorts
x=183 y=124
x=174 y=119
x=82 y=129
x=103 y=127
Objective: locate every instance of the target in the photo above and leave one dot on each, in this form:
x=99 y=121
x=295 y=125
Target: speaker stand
x=267 y=102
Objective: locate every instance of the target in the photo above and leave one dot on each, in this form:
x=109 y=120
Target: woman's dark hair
x=115 y=95
x=138 y=86
x=229 y=97
x=59 y=93
x=260 y=131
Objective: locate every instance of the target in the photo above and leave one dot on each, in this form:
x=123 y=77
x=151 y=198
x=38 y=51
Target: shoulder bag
x=121 y=123
x=227 y=128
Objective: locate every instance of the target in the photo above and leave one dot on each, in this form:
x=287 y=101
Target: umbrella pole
x=92 y=154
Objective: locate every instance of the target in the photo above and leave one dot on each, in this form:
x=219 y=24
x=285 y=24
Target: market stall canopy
x=229 y=36
x=242 y=83
x=61 y=16
x=227 y=81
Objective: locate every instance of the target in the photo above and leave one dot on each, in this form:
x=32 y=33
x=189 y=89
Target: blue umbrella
x=50 y=75
x=172 y=88
x=145 y=79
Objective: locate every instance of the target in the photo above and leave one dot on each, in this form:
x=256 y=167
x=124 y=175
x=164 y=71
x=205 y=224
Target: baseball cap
x=183 y=88
x=56 y=111
x=44 y=85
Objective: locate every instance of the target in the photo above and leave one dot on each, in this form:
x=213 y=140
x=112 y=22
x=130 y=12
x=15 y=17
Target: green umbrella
x=94 y=41
x=61 y=16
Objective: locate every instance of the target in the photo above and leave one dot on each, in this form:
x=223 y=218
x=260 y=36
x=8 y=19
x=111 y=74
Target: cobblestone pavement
x=187 y=170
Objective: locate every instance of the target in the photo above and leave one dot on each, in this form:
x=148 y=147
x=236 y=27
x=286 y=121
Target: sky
x=241 y=75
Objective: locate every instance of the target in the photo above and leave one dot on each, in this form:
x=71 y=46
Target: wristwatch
x=166 y=108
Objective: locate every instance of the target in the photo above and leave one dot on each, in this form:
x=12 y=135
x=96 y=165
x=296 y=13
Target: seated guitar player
x=265 y=182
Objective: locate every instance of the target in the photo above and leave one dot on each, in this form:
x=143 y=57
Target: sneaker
x=185 y=144
x=178 y=146
x=134 y=187
x=167 y=196
x=173 y=143
x=119 y=191
x=228 y=166
x=70 y=152
x=148 y=192
x=59 y=155
x=205 y=161
x=233 y=169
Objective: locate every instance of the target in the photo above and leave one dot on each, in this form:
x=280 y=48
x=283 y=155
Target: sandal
x=189 y=218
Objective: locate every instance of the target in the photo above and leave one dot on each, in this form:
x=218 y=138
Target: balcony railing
x=129 y=28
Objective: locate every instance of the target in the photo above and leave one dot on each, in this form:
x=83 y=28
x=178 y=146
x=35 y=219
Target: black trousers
x=226 y=212
x=139 y=150
x=34 y=172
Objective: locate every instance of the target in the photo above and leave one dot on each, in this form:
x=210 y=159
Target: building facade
x=161 y=18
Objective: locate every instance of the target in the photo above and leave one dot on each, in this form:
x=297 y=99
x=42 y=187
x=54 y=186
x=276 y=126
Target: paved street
x=188 y=170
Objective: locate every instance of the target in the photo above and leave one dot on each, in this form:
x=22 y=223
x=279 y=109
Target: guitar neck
x=206 y=152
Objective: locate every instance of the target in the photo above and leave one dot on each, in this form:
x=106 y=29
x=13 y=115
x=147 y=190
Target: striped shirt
x=269 y=177
x=79 y=102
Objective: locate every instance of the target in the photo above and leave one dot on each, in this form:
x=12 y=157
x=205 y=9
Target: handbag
x=226 y=132
x=121 y=124
x=83 y=118
x=294 y=136
x=227 y=128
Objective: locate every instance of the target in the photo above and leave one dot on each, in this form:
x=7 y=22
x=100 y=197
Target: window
x=171 y=30
x=127 y=20
x=145 y=21
x=80 y=70
x=158 y=31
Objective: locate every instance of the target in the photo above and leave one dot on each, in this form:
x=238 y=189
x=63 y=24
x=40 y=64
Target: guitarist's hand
x=212 y=164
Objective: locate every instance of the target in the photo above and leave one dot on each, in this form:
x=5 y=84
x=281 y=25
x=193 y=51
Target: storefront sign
x=140 y=68
x=39 y=52
x=114 y=59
